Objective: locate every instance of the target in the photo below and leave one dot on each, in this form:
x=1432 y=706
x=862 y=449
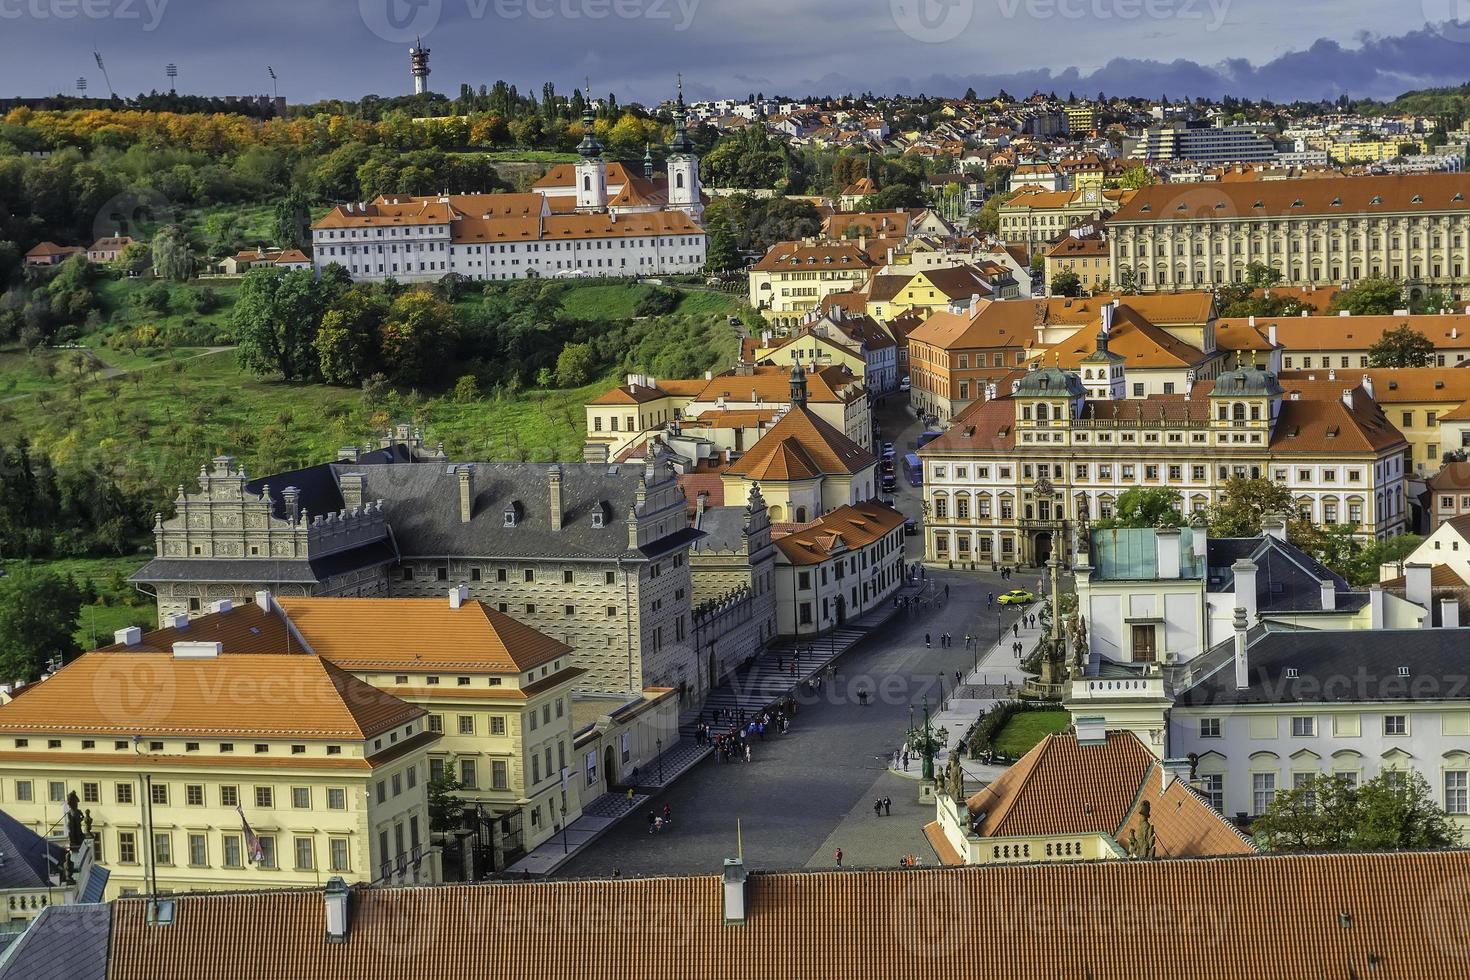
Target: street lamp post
x=660 y=743
x=564 y=824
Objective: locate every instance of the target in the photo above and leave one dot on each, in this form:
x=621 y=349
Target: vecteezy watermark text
x=1211 y=12
x=400 y=21
x=150 y=12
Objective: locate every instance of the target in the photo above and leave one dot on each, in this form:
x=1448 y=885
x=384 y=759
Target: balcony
x=419 y=866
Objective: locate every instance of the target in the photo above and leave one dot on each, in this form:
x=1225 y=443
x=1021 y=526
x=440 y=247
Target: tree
x=38 y=617
x=347 y=341
x=1403 y=346
x=172 y=256
x=1395 y=810
x=574 y=365
x=466 y=389
x=1242 y=505
x=1066 y=283
x=276 y=318
x=416 y=337
x=1145 y=507
x=723 y=253
x=1370 y=297
x=293 y=220
x=1136 y=177
x=446 y=810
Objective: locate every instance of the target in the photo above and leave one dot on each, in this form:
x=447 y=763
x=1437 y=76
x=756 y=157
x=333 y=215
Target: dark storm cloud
x=346 y=48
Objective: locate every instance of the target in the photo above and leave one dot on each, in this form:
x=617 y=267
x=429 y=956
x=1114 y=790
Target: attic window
x=1403 y=672
x=1291 y=672
x=1181 y=207
x=1337 y=202
x=1458 y=196
x=1417 y=199
x=1297 y=203
x=1332 y=432
x=1259 y=204
x=512 y=513
x=1376 y=200
x=1146 y=207
x=1393 y=385
x=597 y=518
x=1219 y=205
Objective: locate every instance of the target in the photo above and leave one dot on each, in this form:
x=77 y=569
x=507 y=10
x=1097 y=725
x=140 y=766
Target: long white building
x=588 y=219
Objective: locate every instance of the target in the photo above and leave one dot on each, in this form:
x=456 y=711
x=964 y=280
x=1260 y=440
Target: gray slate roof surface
x=421 y=503
x=1343 y=666
x=23 y=857
x=284 y=570
x=64 y=942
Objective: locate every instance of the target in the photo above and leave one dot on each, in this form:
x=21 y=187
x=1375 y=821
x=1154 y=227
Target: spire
x=798 y=385
x=681 y=143
x=589 y=148
x=648 y=161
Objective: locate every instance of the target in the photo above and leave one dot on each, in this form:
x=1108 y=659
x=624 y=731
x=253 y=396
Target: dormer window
x=597 y=518
x=1417 y=199
x=510 y=517
x=1376 y=200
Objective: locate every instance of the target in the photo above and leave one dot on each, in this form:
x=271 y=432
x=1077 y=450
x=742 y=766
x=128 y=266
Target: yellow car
x=1017 y=597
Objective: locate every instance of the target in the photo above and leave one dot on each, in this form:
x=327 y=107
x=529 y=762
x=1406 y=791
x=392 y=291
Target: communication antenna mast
x=418 y=60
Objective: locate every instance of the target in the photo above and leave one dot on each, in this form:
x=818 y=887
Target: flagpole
x=150 y=873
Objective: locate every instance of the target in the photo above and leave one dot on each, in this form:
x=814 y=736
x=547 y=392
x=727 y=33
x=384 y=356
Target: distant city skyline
x=1312 y=49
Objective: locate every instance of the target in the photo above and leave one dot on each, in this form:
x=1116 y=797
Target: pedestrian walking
x=989 y=599
x=878 y=807
x=905 y=762
x=1016 y=628
x=887 y=806
x=946 y=590
x=926 y=640
x=837 y=854
x=747 y=751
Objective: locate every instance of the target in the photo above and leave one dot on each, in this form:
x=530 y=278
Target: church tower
x=798 y=385
x=592 y=168
x=683 y=164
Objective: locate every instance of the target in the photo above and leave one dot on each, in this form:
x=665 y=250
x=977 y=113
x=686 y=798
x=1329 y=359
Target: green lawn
x=707 y=302
x=114 y=608
x=604 y=301
x=1026 y=728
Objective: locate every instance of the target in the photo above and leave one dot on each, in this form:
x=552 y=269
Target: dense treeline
x=48 y=513
x=505 y=336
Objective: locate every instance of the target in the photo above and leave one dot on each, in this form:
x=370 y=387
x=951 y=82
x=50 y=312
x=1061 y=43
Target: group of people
x=910 y=861
x=734 y=744
x=1005 y=571
x=659 y=822
x=882 y=806
x=945 y=640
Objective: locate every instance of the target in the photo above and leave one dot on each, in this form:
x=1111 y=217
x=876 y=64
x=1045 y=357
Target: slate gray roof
x=64 y=942
x=266 y=570
x=724 y=529
x=318 y=492
x=1287 y=580
x=1245 y=382
x=1343 y=666
x=24 y=862
x=421 y=504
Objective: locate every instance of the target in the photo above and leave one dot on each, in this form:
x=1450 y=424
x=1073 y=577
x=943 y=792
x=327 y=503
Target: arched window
x=587 y=183
x=1239 y=411
x=801 y=515
x=1041 y=412
x=679 y=180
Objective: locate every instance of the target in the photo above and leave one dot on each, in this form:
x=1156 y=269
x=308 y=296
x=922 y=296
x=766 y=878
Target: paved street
x=812 y=790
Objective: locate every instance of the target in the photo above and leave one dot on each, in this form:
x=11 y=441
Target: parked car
x=910 y=526
x=888 y=450
x=1017 y=597
x=887 y=467
x=889 y=502
x=903 y=383
x=890 y=483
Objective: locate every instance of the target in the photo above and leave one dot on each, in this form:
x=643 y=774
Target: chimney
x=1274 y=526
x=733 y=883
x=178 y=621
x=1091 y=729
x=1449 y=613
x=458 y=596
x=1173 y=769
x=1242 y=662
x=1366 y=383
x=1417 y=589
x=1329 y=594
x=129 y=637
x=1166 y=542
x=700 y=502
x=1251 y=320
x=1271 y=334
x=263 y=600
x=351 y=484
x=1375 y=606
x=466 y=474
x=1347 y=397
x=1200 y=539
x=291 y=498
x=197 y=650
x=336 y=898
x=221 y=606
x=555 y=499
x=1245 y=588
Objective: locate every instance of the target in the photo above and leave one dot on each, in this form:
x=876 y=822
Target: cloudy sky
x=1281 y=49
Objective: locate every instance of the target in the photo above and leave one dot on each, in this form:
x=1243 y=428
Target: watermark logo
x=1450 y=19
x=132 y=692
x=137 y=213
x=148 y=12
x=400 y=21
x=1211 y=13
x=932 y=21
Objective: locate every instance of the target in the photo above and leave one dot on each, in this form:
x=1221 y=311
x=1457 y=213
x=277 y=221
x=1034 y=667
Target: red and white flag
x=253 y=850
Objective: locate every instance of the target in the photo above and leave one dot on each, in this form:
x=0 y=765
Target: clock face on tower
x=1090 y=195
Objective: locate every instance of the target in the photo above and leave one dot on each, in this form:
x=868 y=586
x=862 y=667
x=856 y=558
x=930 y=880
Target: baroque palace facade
x=1017 y=473
x=1339 y=229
